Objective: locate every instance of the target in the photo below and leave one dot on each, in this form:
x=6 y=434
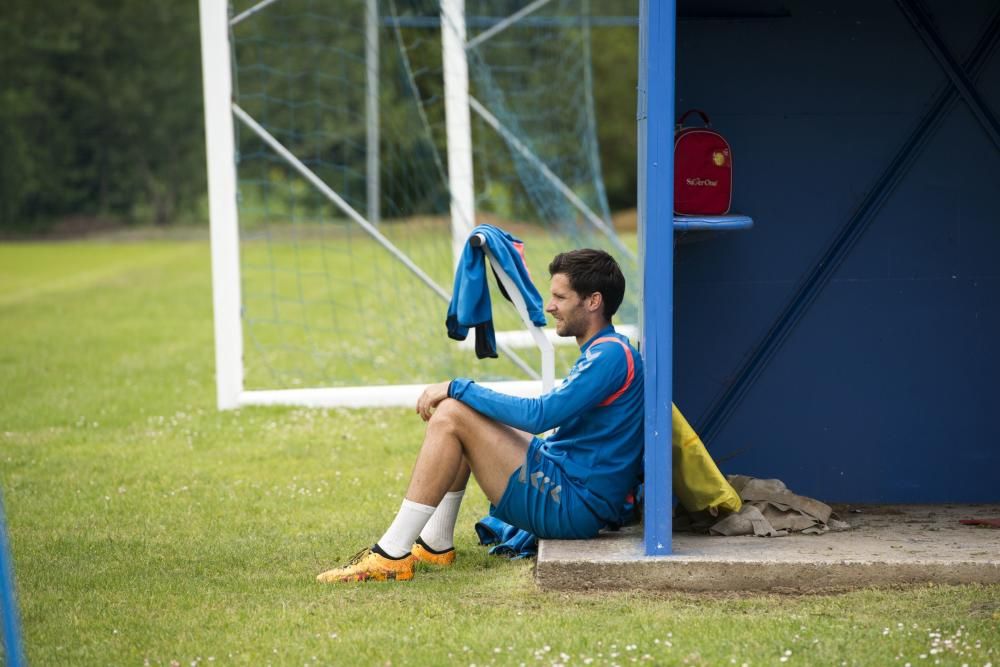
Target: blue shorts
x=540 y=500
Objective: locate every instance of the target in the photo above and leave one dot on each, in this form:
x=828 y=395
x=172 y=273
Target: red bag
x=703 y=169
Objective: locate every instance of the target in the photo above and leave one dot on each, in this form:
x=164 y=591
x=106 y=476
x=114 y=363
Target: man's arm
x=599 y=375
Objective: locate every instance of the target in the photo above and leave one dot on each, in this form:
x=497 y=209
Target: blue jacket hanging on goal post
x=471 y=306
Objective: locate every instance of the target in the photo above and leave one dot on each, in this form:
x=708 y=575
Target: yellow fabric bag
x=698 y=483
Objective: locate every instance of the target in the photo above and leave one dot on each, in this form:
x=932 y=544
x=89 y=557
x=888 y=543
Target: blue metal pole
x=657 y=35
x=13 y=650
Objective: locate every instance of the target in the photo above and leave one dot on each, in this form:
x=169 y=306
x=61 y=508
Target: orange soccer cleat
x=367 y=565
x=424 y=554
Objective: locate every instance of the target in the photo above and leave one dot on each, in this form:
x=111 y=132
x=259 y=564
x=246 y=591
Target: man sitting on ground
x=566 y=486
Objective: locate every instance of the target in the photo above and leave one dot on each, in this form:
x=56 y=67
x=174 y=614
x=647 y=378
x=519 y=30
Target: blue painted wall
x=886 y=389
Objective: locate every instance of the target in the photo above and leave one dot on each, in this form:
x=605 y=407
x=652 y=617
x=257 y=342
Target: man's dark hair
x=590 y=271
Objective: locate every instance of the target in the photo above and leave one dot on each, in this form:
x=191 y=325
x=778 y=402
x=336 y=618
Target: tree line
x=101 y=113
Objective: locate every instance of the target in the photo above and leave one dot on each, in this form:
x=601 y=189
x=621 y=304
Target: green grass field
x=149 y=528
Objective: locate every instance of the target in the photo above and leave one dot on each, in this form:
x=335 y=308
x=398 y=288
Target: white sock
x=439 y=533
x=398 y=540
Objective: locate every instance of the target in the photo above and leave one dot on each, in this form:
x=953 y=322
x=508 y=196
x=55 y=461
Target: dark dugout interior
x=848 y=343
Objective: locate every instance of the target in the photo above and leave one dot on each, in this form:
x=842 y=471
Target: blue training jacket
x=470 y=297
x=598 y=409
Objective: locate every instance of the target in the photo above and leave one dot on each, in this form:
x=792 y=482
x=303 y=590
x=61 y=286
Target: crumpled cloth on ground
x=506 y=540
x=769 y=510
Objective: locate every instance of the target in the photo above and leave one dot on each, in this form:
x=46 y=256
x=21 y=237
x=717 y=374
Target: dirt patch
x=109 y=231
x=845 y=510
x=108 y=228
x=82 y=226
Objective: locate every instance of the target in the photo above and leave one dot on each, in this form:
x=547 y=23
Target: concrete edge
x=670 y=574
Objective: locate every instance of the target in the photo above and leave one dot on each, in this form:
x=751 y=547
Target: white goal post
x=220 y=112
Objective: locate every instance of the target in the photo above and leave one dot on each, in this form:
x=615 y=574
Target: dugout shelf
x=699 y=223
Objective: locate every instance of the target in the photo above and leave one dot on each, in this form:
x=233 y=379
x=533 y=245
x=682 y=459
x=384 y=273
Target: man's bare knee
x=451 y=415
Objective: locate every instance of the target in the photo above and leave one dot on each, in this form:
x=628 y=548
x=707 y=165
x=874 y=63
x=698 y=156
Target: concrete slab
x=886 y=546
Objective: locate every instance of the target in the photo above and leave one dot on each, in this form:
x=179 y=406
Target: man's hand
x=429 y=400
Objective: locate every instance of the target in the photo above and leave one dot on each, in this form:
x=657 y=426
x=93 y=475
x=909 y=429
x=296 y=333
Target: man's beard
x=567 y=329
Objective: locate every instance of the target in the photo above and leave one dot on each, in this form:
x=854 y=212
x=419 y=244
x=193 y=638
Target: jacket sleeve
x=600 y=373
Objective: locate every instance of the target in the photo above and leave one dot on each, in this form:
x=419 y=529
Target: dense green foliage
x=616 y=77
x=100 y=111
x=149 y=528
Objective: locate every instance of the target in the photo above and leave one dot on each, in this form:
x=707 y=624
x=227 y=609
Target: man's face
x=566 y=307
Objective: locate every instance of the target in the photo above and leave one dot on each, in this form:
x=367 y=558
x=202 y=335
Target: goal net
x=355 y=187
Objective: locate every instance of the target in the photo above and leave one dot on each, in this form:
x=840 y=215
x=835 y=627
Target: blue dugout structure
x=848 y=344
x=655 y=116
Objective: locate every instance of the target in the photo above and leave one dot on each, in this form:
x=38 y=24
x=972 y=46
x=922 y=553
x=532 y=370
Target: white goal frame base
x=385 y=396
